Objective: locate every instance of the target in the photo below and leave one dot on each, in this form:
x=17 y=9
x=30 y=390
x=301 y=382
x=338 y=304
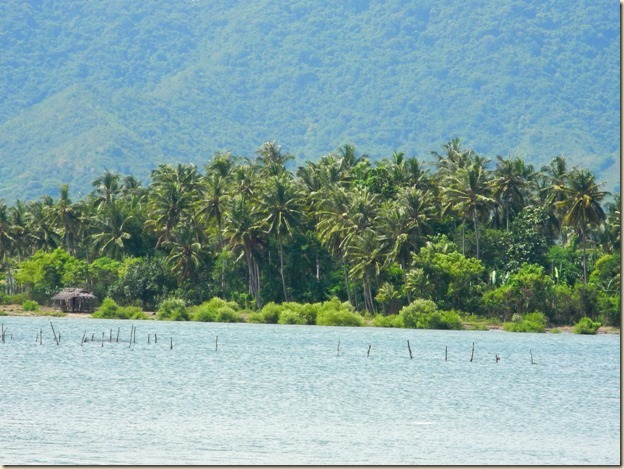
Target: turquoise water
x=281 y=395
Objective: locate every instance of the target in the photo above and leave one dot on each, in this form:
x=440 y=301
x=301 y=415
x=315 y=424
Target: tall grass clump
x=531 y=322
x=173 y=309
x=335 y=313
x=586 y=326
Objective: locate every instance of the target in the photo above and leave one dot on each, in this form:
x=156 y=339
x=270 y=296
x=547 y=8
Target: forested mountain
x=124 y=85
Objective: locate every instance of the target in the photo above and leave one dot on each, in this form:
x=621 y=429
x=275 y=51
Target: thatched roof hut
x=74 y=300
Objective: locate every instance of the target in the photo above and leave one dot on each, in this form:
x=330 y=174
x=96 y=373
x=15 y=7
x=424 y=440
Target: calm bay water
x=281 y=395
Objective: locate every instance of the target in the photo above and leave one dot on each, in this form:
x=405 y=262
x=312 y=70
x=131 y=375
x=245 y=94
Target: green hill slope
x=122 y=85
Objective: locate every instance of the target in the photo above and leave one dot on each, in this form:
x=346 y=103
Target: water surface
x=281 y=395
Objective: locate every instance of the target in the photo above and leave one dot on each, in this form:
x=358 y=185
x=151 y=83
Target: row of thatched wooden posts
x=132 y=340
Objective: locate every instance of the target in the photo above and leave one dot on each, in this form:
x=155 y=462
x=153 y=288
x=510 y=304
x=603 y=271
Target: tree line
x=472 y=235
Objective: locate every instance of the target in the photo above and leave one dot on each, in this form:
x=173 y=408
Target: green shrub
x=288 y=316
x=307 y=311
x=555 y=330
x=227 y=314
x=17 y=299
x=200 y=314
x=110 y=310
x=384 y=321
x=586 y=326
x=532 y=322
x=30 y=305
x=173 y=309
x=256 y=318
x=339 y=318
x=270 y=312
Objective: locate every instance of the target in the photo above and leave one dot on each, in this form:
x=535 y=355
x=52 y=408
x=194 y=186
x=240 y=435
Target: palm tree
x=111 y=230
x=467 y=192
x=8 y=241
x=107 y=188
x=582 y=207
x=512 y=180
x=271 y=160
x=241 y=225
x=172 y=199
x=65 y=218
x=186 y=254
x=280 y=206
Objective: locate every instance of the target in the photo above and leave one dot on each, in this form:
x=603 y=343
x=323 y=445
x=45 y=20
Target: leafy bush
x=208 y=310
x=288 y=316
x=424 y=314
x=227 y=314
x=173 y=309
x=335 y=313
x=532 y=322
x=270 y=312
x=30 y=305
x=139 y=315
x=256 y=318
x=110 y=310
x=586 y=326
x=392 y=320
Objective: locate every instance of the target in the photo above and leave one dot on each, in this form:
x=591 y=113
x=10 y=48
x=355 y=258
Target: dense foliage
x=124 y=85
x=337 y=240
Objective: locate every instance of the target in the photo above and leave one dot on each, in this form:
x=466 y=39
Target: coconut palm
x=582 y=207
x=280 y=205
x=467 y=192
x=511 y=183
x=241 y=225
x=64 y=217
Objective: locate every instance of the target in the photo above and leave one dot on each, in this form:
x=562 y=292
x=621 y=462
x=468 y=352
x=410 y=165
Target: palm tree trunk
x=281 y=255
x=476 y=228
x=584 y=257
x=346 y=276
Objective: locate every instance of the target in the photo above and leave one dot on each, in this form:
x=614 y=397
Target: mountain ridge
x=175 y=82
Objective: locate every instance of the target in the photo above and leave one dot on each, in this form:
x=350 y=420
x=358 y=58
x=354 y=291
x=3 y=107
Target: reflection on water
x=281 y=395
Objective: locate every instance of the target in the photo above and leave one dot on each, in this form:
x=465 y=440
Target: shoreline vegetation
x=462 y=242
x=17 y=310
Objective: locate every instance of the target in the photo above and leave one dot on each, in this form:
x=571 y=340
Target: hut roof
x=68 y=293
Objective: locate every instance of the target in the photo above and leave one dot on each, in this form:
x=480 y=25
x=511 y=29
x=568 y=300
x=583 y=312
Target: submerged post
x=409 y=349
x=171 y=345
x=216 y=343
x=446 y=353
x=83 y=338
x=118 y=334
x=472 y=354
x=532 y=362
x=338 y=349
x=369 y=349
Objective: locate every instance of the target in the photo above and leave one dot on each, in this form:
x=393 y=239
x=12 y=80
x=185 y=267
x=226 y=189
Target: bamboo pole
x=83 y=338
x=118 y=334
x=171 y=345
x=532 y=362
x=40 y=336
x=446 y=353
x=338 y=349
x=369 y=349
x=102 y=338
x=409 y=349
x=54 y=332
x=216 y=343
x=472 y=354
x=110 y=338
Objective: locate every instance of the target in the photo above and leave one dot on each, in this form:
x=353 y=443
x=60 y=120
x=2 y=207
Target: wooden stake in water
x=148 y=337
x=40 y=336
x=155 y=338
x=216 y=343
x=102 y=338
x=110 y=337
x=497 y=358
x=171 y=345
x=532 y=362
x=54 y=332
x=472 y=354
x=446 y=353
x=369 y=349
x=338 y=349
x=409 y=349
x=118 y=334
x=130 y=341
x=83 y=338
